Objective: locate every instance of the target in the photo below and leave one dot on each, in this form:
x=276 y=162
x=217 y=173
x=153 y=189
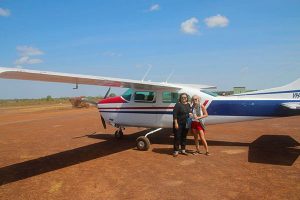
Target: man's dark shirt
x=181 y=112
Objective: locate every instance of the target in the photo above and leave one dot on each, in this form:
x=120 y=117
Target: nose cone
x=117 y=99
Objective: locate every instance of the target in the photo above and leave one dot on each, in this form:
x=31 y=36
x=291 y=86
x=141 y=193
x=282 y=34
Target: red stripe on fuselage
x=117 y=99
x=118 y=108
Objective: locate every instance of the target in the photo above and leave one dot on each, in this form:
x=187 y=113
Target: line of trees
x=46 y=100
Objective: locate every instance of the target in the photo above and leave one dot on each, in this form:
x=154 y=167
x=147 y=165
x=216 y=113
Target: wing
x=24 y=74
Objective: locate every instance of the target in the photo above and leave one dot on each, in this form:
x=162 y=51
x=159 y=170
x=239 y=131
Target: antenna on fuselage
x=170 y=75
x=149 y=68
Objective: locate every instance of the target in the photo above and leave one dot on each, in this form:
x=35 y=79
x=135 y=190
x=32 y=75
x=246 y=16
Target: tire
x=142 y=143
x=119 y=134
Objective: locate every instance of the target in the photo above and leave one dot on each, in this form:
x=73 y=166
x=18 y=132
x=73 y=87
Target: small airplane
x=150 y=104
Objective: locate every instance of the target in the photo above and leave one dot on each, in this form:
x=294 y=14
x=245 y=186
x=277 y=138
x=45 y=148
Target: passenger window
x=170 y=97
x=144 y=97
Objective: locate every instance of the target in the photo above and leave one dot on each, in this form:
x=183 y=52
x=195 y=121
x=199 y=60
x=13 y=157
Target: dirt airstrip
x=65 y=154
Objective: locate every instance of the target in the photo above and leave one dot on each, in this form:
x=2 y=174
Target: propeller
x=107 y=93
x=83 y=99
x=102 y=119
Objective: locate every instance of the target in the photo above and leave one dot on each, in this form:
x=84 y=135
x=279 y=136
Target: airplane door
x=140 y=110
x=167 y=101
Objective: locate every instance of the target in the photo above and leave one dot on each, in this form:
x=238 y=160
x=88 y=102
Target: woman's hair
x=198 y=112
x=192 y=101
x=179 y=100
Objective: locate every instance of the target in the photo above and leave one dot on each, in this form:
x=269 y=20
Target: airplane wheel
x=119 y=134
x=142 y=143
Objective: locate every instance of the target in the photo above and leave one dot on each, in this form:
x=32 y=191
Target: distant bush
x=49 y=98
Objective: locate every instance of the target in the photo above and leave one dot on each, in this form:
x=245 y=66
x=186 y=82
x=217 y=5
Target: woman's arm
x=175 y=113
x=176 y=124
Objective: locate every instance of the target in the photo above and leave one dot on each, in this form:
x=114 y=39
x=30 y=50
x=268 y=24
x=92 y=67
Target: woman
x=198 y=113
x=181 y=112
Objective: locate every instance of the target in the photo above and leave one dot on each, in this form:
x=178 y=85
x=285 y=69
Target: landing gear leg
x=143 y=143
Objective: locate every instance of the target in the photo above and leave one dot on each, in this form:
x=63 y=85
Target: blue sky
x=223 y=43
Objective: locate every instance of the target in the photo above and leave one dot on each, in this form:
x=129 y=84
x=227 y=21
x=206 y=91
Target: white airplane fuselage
x=122 y=112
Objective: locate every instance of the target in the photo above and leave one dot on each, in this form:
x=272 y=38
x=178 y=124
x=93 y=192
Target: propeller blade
x=103 y=122
x=107 y=93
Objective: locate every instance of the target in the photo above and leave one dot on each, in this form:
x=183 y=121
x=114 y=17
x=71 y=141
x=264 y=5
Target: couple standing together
x=184 y=112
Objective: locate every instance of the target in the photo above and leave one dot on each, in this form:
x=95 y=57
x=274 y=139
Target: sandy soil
x=66 y=154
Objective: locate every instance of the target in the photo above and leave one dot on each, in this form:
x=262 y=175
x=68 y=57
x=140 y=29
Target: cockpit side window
x=127 y=95
x=144 y=97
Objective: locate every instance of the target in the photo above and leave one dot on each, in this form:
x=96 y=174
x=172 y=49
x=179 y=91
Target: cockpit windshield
x=127 y=94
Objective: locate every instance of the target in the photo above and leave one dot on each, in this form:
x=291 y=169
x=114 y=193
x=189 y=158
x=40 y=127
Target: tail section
x=290 y=91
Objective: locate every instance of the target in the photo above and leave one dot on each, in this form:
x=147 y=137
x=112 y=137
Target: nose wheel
x=119 y=134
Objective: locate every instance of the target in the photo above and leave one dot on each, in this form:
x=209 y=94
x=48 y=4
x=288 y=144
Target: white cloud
x=154 y=7
x=111 y=54
x=190 y=26
x=4 y=12
x=216 y=21
x=244 y=69
x=27 y=60
x=29 y=51
x=26 y=53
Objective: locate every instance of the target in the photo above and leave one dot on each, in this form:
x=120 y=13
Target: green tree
x=49 y=98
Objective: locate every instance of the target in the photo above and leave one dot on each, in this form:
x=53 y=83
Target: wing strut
x=76 y=87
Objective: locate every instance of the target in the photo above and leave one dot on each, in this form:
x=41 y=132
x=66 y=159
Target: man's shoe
x=175 y=154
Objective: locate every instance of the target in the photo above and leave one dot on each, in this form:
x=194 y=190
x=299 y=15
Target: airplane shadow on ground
x=268 y=149
x=23 y=170
x=165 y=137
x=274 y=149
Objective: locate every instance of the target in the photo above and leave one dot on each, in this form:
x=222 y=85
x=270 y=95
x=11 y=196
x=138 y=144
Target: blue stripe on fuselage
x=276 y=92
x=256 y=108
x=261 y=108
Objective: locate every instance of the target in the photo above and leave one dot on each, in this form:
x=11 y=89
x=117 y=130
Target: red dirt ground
x=65 y=154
